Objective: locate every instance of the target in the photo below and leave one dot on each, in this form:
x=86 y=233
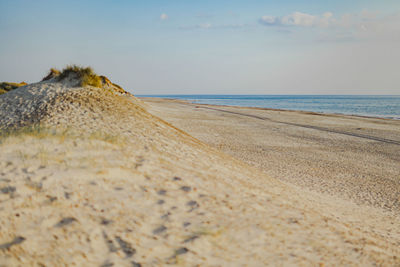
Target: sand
x=350 y=157
x=104 y=182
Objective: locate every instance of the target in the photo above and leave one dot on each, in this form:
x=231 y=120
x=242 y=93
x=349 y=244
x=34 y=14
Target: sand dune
x=101 y=181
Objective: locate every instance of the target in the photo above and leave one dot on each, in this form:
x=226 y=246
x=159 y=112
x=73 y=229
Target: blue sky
x=209 y=47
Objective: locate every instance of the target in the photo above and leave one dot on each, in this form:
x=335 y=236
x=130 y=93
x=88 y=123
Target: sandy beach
x=93 y=176
x=108 y=159
x=350 y=157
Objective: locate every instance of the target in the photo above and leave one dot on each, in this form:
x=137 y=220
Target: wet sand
x=349 y=157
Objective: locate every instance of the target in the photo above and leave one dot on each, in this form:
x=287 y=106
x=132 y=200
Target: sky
x=209 y=46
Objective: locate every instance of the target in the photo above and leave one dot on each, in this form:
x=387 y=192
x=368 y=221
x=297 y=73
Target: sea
x=383 y=106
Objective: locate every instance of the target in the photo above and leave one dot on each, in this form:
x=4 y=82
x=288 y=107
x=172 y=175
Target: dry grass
x=119 y=88
x=107 y=81
x=32 y=130
x=40 y=132
x=52 y=74
x=6 y=86
x=86 y=75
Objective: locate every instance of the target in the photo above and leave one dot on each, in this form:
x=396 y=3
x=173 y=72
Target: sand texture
x=350 y=157
x=103 y=182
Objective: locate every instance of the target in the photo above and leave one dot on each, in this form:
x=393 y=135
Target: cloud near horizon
x=299 y=19
x=164 y=16
x=364 y=25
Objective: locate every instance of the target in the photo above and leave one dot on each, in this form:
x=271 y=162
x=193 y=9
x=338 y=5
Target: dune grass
x=6 y=86
x=85 y=75
x=31 y=130
x=52 y=74
x=116 y=85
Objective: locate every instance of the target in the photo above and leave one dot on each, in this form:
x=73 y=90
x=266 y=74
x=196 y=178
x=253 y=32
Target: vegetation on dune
x=31 y=130
x=119 y=87
x=40 y=132
x=52 y=74
x=106 y=81
x=85 y=75
x=6 y=86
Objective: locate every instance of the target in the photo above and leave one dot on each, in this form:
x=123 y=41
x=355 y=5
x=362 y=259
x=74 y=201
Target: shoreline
x=396 y=142
x=276 y=109
x=350 y=157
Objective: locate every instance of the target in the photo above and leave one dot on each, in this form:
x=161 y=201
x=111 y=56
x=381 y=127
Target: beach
x=199 y=133
x=350 y=157
x=93 y=176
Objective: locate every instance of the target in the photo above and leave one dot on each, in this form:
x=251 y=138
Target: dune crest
x=102 y=182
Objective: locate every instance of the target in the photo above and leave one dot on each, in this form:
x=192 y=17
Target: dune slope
x=101 y=181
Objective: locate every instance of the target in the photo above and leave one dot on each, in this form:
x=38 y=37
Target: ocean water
x=384 y=106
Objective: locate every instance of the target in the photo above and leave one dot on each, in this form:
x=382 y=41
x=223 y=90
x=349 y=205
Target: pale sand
x=350 y=157
x=109 y=183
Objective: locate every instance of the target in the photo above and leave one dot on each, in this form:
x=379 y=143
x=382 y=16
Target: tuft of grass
x=106 y=81
x=6 y=86
x=119 y=87
x=52 y=74
x=86 y=76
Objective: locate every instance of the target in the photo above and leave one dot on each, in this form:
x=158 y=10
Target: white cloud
x=268 y=20
x=364 y=25
x=164 y=16
x=298 y=19
x=326 y=19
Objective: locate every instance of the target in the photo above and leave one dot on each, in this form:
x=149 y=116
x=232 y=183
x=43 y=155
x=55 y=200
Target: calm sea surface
x=366 y=105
